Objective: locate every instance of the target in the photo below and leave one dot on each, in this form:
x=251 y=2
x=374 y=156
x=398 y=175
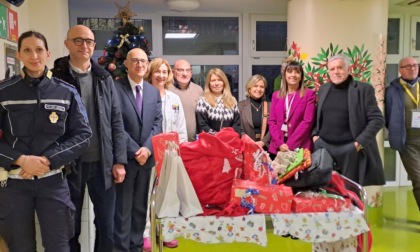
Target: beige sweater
x=189 y=98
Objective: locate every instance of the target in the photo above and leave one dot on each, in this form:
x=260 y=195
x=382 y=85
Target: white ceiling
x=225 y=6
x=214 y=6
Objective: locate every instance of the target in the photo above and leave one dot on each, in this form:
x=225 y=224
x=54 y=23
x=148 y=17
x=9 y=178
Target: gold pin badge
x=53 y=117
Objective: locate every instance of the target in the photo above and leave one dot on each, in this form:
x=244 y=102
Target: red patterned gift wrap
x=316 y=202
x=264 y=198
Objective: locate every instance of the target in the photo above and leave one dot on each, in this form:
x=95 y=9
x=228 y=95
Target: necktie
x=139 y=98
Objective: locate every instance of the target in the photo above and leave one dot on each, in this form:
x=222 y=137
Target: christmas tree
x=125 y=38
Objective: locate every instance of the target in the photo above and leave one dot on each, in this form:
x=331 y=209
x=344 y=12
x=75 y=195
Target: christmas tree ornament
x=112 y=67
x=124 y=12
x=123 y=39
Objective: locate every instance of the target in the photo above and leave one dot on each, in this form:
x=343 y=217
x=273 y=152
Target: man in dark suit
x=348 y=119
x=141 y=107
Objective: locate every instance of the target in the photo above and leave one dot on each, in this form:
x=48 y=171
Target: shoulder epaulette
x=9 y=81
x=62 y=82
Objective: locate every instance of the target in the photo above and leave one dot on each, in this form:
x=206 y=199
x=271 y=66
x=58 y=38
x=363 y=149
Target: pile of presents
x=233 y=176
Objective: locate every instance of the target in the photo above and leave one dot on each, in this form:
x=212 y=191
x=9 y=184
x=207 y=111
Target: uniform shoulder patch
x=62 y=82
x=9 y=81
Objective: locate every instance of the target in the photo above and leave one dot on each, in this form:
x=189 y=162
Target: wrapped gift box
x=268 y=198
x=320 y=203
x=161 y=142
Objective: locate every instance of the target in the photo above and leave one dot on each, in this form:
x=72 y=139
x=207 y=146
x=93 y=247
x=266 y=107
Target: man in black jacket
x=348 y=120
x=103 y=163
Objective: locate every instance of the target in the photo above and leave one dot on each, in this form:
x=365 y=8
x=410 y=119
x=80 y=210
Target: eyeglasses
x=80 y=41
x=181 y=70
x=408 y=67
x=138 y=61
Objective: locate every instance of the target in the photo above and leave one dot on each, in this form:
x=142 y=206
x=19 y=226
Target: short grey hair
x=342 y=57
x=404 y=59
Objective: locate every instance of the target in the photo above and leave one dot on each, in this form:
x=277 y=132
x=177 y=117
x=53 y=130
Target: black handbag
x=317 y=175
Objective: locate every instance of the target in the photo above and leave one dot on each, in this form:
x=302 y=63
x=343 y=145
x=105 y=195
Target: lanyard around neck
x=289 y=105
x=415 y=100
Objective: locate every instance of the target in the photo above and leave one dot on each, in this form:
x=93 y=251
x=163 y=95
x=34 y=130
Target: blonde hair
x=253 y=81
x=290 y=67
x=154 y=66
x=228 y=99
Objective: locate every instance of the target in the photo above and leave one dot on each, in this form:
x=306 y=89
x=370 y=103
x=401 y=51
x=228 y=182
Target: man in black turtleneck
x=348 y=119
x=402 y=115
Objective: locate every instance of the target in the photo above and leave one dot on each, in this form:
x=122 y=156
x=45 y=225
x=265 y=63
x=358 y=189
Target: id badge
x=284 y=127
x=415 y=119
x=3 y=177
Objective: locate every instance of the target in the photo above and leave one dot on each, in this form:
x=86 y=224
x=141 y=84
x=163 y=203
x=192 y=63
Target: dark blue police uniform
x=40 y=117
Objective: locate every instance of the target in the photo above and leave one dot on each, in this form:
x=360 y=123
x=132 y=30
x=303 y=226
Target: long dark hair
x=292 y=66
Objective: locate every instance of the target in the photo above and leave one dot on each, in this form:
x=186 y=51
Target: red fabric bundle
x=255 y=162
x=337 y=185
x=212 y=162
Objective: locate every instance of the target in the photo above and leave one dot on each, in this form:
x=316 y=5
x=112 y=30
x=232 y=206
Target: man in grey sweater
x=188 y=92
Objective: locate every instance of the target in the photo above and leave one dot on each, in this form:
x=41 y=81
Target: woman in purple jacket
x=292 y=112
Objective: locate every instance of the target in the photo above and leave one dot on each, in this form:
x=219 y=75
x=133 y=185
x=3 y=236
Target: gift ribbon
x=248 y=194
x=273 y=177
x=123 y=39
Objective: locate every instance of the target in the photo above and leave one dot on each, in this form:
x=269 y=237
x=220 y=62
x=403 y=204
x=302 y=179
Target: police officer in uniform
x=44 y=126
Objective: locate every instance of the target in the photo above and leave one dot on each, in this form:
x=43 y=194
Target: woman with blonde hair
x=292 y=112
x=161 y=77
x=218 y=108
x=254 y=111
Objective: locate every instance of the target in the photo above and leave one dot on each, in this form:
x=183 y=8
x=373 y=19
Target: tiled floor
x=395 y=227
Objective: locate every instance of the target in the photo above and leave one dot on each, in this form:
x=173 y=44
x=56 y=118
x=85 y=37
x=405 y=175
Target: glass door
x=415 y=37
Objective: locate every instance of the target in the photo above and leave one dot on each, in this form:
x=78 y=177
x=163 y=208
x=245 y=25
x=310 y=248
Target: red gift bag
x=256 y=162
x=262 y=198
x=160 y=144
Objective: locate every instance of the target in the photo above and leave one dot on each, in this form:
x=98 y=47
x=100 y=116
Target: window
x=200 y=35
x=269 y=36
x=393 y=39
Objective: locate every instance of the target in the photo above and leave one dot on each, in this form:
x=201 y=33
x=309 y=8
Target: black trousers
x=131 y=208
x=103 y=201
x=350 y=162
x=49 y=198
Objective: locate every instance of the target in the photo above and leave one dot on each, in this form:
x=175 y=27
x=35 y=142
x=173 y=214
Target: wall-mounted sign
x=12 y=63
x=13 y=25
x=3 y=21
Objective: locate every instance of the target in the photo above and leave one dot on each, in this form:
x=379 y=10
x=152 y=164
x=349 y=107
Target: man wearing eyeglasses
x=188 y=92
x=102 y=165
x=142 y=115
x=402 y=115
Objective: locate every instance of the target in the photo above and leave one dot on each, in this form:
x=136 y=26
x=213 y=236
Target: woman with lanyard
x=44 y=127
x=292 y=112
